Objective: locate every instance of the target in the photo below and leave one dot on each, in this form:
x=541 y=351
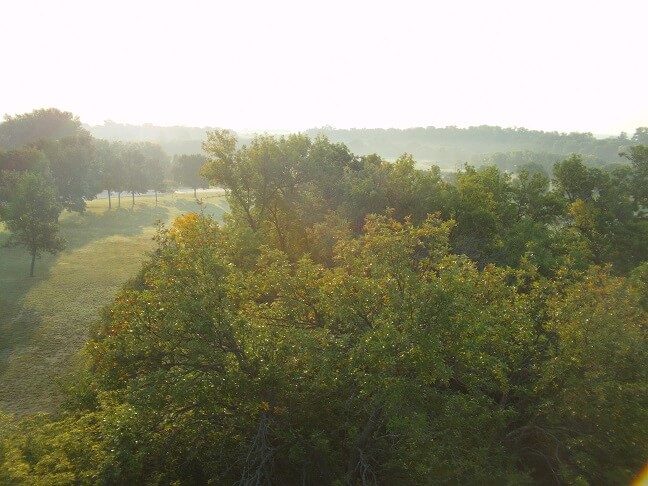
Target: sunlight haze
x=565 y=66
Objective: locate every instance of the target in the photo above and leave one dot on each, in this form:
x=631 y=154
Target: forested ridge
x=359 y=321
x=505 y=147
x=449 y=147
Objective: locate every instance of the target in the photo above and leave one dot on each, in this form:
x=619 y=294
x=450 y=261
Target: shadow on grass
x=14 y=277
x=16 y=332
x=28 y=323
x=81 y=229
x=78 y=230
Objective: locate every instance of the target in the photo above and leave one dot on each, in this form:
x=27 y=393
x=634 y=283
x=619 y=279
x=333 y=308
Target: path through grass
x=44 y=320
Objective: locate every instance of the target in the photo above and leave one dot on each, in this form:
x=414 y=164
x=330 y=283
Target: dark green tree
x=572 y=179
x=31 y=217
x=638 y=156
x=12 y=164
x=74 y=168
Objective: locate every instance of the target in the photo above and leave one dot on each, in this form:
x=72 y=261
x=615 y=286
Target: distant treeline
x=174 y=140
x=448 y=147
x=505 y=147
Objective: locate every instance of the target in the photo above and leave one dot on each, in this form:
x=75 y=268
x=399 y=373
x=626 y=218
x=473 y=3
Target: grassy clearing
x=44 y=320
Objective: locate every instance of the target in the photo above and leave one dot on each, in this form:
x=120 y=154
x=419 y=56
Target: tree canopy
x=186 y=171
x=356 y=321
x=31 y=216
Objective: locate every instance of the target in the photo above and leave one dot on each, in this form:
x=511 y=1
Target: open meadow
x=44 y=320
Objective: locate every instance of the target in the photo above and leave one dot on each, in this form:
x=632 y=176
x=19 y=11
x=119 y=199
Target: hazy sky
x=552 y=65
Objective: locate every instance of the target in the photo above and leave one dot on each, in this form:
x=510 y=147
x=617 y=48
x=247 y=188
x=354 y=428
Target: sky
x=563 y=65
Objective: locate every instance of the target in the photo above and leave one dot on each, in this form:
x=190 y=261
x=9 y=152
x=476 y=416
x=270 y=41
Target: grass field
x=44 y=320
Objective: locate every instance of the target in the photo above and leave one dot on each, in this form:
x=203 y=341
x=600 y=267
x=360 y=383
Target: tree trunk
x=133 y=194
x=31 y=270
x=119 y=199
x=359 y=468
x=155 y=197
x=109 y=201
x=195 y=197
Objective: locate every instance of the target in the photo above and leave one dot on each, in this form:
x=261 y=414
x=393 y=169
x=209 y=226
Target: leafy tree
x=155 y=166
x=73 y=166
x=638 y=156
x=12 y=164
x=532 y=198
x=301 y=370
x=572 y=179
x=602 y=209
x=28 y=128
x=186 y=171
x=592 y=386
x=135 y=171
x=32 y=217
x=54 y=139
x=483 y=210
x=641 y=136
x=270 y=189
x=22 y=159
x=112 y=168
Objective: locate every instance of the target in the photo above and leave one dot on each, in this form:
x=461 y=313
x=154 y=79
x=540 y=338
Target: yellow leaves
x=583 y=214
x=274 y=409
x=184 y=228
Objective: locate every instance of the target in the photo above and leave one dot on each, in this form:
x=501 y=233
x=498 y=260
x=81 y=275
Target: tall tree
x=111 y=167
x=156 y=166
x=13 y=163
x=24 y=158
x=186 y=171
x=49 y=123
x=144 y=167
x=32 y=217
x=74 y=168
x=572 y=179
x=638 y=156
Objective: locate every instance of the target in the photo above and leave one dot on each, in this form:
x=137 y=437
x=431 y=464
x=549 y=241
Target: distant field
x=44 y=320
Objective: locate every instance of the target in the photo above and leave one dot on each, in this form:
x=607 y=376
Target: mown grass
x=44 y=320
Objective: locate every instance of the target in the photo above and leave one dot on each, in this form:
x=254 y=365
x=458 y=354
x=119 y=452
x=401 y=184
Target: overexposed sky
x=282 y=64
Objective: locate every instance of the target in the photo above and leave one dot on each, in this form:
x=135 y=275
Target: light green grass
x=44 y=320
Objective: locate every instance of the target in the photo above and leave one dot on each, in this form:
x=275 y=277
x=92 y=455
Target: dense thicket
x=361 y=322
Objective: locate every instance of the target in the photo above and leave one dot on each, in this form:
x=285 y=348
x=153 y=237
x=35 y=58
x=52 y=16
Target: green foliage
x=593 y=384
x=44 y=320
x=74 y=173
x=29 y=128
x=573 y=179
x=356 y=321
x=638 y=156
x=398 y=363
x=31 y=217
x=186 y=171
